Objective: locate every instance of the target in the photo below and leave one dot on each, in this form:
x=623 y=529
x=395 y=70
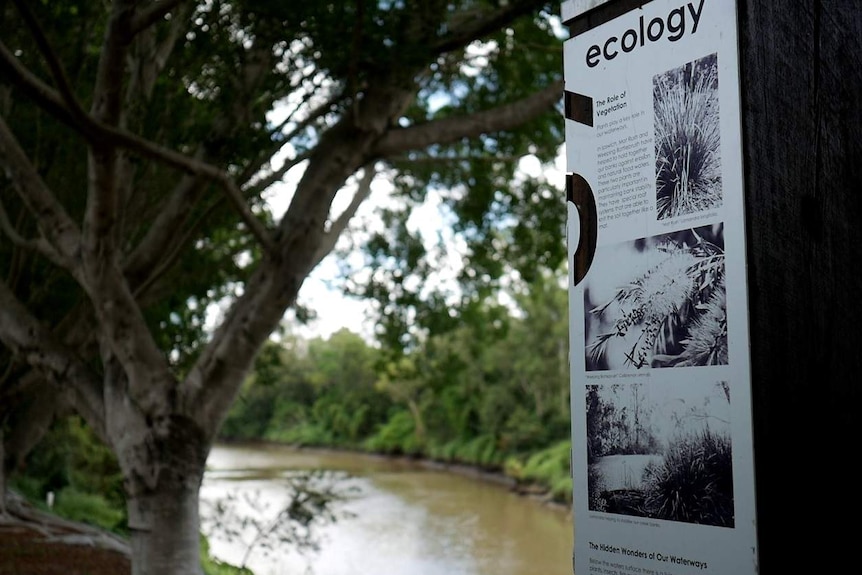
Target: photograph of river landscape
x=396 y=517
x=661 y=451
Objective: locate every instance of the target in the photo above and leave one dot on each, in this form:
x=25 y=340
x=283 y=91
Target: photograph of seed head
x=687 y=139
x=658 y=302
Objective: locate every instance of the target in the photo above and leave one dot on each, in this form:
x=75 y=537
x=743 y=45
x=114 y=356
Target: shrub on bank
x=396 y=436
x=549 y=468
x=89 y=508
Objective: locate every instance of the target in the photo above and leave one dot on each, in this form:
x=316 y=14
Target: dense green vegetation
x=492 y=392
x=80 y=472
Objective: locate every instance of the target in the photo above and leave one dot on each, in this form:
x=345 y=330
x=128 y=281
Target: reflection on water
x=407 y=520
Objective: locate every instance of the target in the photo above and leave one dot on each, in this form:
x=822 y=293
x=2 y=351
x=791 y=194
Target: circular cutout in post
x=579 y=193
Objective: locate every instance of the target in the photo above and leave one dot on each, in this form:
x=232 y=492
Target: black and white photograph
x=687 y=139
x=660 y=302
x=661 y=451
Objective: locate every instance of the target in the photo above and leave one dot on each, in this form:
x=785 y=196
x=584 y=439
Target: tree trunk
x=165 y=539
x=163 y=466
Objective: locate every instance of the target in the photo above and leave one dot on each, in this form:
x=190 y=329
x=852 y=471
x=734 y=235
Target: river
x=403 y=518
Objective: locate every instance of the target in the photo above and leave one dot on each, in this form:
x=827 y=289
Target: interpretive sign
x=662 y=454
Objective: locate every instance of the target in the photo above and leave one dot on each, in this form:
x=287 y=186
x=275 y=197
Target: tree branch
x=53 y=222
x=255 y=226
x=149 y=58
x=31 y=411
x=42 y=94
x=107 y=92
x=189 y=165
x=161 y=233
x=57 y=72
x=338 y=226
x=38 y=245
x=146 y=290
x=99 y=134
x=259 y=186
x=282 y=140
x=151 y=15
x=26 y=337
x=102 y=214
x=476 y=24
x=126 y=336
x=452 y=129
x=453 y=159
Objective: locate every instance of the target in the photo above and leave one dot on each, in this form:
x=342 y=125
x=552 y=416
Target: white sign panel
x=662 y=455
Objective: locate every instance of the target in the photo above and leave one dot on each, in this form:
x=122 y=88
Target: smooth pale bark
x=165 y=540
x=163 y=471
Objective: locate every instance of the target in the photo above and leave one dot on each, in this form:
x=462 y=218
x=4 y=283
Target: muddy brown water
x=405 y=518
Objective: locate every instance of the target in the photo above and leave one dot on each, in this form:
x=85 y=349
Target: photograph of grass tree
x=661 y=451
x=688 y=158
x=659 y=302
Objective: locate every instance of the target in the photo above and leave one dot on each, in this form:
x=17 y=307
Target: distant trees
x=465 y=396
x=621 y=427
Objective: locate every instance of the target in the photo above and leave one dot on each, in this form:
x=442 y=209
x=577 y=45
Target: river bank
x=541 y=491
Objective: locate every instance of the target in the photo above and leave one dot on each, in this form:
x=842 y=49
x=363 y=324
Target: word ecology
x=675 y=25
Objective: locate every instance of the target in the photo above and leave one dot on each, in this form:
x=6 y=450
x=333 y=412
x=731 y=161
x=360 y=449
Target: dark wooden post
x=2 y=472
x=801 y=65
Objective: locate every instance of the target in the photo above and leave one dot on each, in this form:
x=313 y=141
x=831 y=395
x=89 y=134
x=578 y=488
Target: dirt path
x=36 y=543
